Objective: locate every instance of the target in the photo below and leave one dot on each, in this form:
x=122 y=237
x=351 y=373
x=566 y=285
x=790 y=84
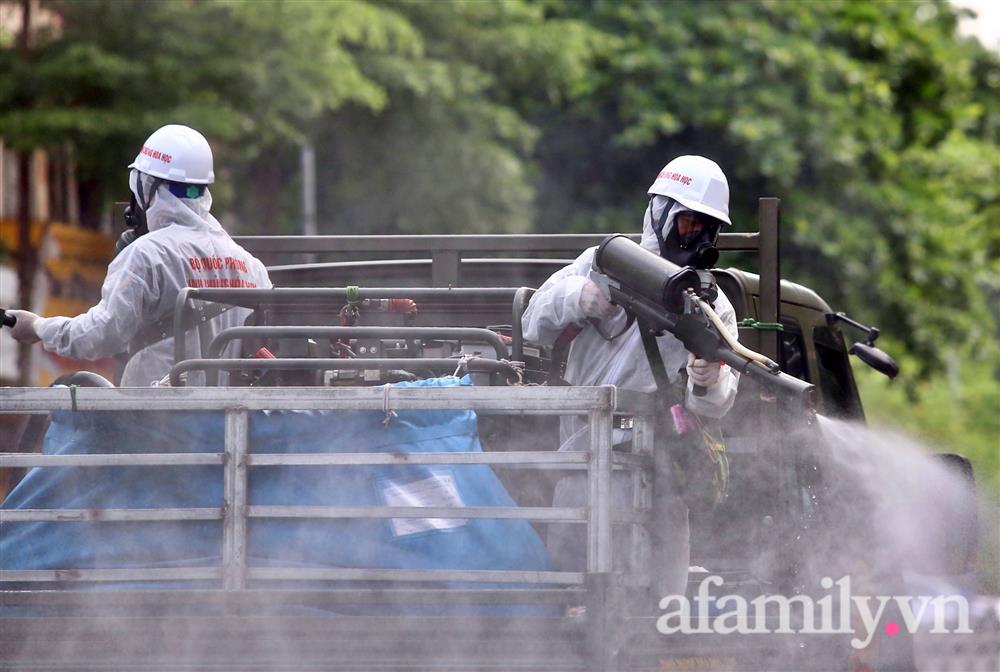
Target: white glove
x=702 y=372
x=24 y=330
x=165 y=381
x=593 y=303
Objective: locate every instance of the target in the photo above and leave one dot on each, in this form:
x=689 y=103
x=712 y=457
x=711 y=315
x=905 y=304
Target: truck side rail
x=447 y=250
x=458 y=333
x=187 y=312
x=440 y=365
x=486 y=336
x=599 y=403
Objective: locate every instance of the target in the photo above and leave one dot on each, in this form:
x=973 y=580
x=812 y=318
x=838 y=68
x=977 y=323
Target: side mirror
x=867 y=352
x=875 y=358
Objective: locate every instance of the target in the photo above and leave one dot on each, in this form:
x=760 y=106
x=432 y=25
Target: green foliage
x=452 y=151
x=251 y=76
x=874 y=123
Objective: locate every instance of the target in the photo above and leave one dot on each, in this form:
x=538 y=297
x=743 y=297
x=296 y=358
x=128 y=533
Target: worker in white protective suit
x=688 y=206
x=173 y=242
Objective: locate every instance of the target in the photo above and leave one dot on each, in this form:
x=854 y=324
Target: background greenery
x=875 y=123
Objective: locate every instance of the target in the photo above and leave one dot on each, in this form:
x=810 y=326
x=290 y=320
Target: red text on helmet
x=676 y=177
x=156 y=154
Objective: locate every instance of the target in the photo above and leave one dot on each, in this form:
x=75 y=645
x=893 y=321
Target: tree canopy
x=875 y=123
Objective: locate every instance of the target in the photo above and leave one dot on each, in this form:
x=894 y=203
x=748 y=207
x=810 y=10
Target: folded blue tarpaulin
x=371 y=543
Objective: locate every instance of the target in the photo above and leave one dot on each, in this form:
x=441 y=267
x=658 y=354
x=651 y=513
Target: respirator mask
x=696 y=248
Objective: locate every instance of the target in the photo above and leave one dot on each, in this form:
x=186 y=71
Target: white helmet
x=696 y=183
x=178 y=154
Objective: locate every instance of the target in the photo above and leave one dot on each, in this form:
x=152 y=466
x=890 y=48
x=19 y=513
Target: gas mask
x=135 y=214
x=696 y=249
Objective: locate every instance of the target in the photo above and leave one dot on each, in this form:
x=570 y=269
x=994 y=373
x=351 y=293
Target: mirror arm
x=872 y=332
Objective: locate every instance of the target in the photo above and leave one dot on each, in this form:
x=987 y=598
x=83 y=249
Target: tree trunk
x=27 y=256
x=27 y=259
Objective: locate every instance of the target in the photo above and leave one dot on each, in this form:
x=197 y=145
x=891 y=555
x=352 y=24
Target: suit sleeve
x=107 y=328
x=556 y=304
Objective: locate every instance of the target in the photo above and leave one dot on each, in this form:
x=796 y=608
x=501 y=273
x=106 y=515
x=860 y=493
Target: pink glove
x=24 y=330
x=594 y=304
x=702 y=372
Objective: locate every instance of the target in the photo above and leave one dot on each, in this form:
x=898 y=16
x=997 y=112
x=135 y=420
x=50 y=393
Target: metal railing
x=598 y=403
x=447 y=250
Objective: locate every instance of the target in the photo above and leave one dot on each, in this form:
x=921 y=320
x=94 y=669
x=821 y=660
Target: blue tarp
x=409 y=544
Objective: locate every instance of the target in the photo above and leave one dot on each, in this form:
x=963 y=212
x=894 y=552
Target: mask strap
x=658 y=225
x=143 y=203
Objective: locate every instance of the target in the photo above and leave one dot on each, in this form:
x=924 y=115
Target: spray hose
x=737 y=347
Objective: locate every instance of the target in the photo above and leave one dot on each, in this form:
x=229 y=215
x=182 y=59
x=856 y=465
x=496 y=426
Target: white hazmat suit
x=185 y=247
x=593 y=360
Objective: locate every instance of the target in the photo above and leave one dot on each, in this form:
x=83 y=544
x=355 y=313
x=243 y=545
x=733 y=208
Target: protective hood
x=166 y=209
x=653 y=213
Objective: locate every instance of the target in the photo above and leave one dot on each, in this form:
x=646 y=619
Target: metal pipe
x=600 y=447
x=559 y=242
x=360 y=574
x=181 y=304
x=643 y=442
x=335 y=297
x=321 y=364
x=521 y=299
x=110 y=515
x=546 y=242
x=271 y=597
x=343 y=459
x=112 y=460
x=769 y=222
x=462 y=333
x=235 y=491
x=536 y=513
x=531 y=399
x=145 y=574
x=308 y=162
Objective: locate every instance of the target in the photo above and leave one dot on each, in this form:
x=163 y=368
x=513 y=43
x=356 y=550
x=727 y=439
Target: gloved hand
x=594 y=304
x=165 y=381
x=702 y=372
x=24 y=330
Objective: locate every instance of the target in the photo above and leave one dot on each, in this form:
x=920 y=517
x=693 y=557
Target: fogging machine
x=665 y=297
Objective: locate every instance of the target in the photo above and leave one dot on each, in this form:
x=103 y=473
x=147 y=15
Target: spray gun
x=692 y=311
x=669 y=298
